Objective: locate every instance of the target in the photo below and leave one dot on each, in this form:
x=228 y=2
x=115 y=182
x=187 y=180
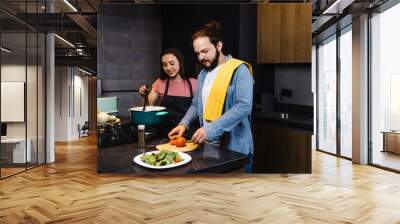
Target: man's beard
x=214 y=62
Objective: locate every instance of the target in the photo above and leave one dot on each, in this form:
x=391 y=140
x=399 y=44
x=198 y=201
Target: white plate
x=186 y=158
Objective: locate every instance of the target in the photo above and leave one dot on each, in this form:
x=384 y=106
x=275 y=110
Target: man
x=224 y=96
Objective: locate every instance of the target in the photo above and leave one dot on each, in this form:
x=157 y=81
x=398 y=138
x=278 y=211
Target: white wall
x=70 y=83
x=15 y=72
x=62 y=81
x=82 y=82
x=11 y=73
x=79 y=117
x=33 y=127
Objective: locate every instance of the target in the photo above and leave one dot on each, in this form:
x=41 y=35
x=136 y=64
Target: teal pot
x=152 y=116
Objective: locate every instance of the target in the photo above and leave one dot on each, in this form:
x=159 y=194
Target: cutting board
x=167 y=146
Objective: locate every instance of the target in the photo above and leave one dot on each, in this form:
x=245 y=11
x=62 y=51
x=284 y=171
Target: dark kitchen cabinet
x=280 y=149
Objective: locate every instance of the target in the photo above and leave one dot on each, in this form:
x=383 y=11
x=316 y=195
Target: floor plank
x=71 y=191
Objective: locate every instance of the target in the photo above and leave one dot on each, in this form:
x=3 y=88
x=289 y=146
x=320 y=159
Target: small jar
x=141 y=139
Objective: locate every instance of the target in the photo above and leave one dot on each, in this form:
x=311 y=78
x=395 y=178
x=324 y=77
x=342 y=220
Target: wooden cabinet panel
x=271 y=149
x=279 y=149
x=284 y=33
x=298 y=151
x=268 y=33
x=296 y=33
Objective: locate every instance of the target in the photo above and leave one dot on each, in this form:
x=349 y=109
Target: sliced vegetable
x=162 y=158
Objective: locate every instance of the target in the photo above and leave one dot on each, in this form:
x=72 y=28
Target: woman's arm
x=154 y=92
x=152 y=97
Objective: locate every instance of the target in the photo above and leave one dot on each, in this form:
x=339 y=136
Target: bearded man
x=224 y=96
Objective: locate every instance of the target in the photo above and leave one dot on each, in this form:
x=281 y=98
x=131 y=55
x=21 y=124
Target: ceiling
x=77 y=22
x=332 y=15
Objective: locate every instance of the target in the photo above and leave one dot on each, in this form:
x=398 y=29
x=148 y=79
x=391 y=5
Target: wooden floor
x=8 y=171
x=5 y=172
x=71 y=191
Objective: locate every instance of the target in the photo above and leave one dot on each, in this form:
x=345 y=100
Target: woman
x=174 y=88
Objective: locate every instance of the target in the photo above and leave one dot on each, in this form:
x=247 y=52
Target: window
x=385 y=88
x=334 y=137
x=326 y=98
x=346 y=92
x=22 y=65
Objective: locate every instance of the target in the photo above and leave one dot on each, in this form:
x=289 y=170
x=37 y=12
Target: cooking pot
x=151 y=116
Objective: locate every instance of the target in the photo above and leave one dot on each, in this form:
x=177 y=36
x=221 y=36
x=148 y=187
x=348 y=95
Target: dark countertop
x=297 y=121
x=208 y=159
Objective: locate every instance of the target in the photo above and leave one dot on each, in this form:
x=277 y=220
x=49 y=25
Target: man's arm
x=241 y=109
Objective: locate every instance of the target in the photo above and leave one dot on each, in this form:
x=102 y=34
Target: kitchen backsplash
x=129 y=45
x=293 y=84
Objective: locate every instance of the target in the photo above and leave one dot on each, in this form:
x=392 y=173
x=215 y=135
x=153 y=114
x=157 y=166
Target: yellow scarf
x=216 y=99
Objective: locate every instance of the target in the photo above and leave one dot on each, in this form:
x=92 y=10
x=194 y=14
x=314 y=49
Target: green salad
x=162 y=158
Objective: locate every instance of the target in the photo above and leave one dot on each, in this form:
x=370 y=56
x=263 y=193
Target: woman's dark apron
x=177 y=107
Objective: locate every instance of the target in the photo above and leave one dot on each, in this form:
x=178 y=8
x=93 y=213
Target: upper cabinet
x=284 y=33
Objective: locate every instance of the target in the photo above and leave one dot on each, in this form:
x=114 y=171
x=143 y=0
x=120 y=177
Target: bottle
x=141 y=142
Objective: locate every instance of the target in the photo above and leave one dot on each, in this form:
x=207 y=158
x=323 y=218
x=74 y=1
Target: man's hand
x=200 y=136
x=177 y=131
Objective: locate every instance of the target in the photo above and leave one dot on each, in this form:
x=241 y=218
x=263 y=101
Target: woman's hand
x=146 y=90
x=177 y=131
x=142 y=90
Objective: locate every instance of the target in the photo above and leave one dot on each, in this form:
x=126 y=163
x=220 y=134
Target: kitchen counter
x=207 y=159
x=297 y=121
